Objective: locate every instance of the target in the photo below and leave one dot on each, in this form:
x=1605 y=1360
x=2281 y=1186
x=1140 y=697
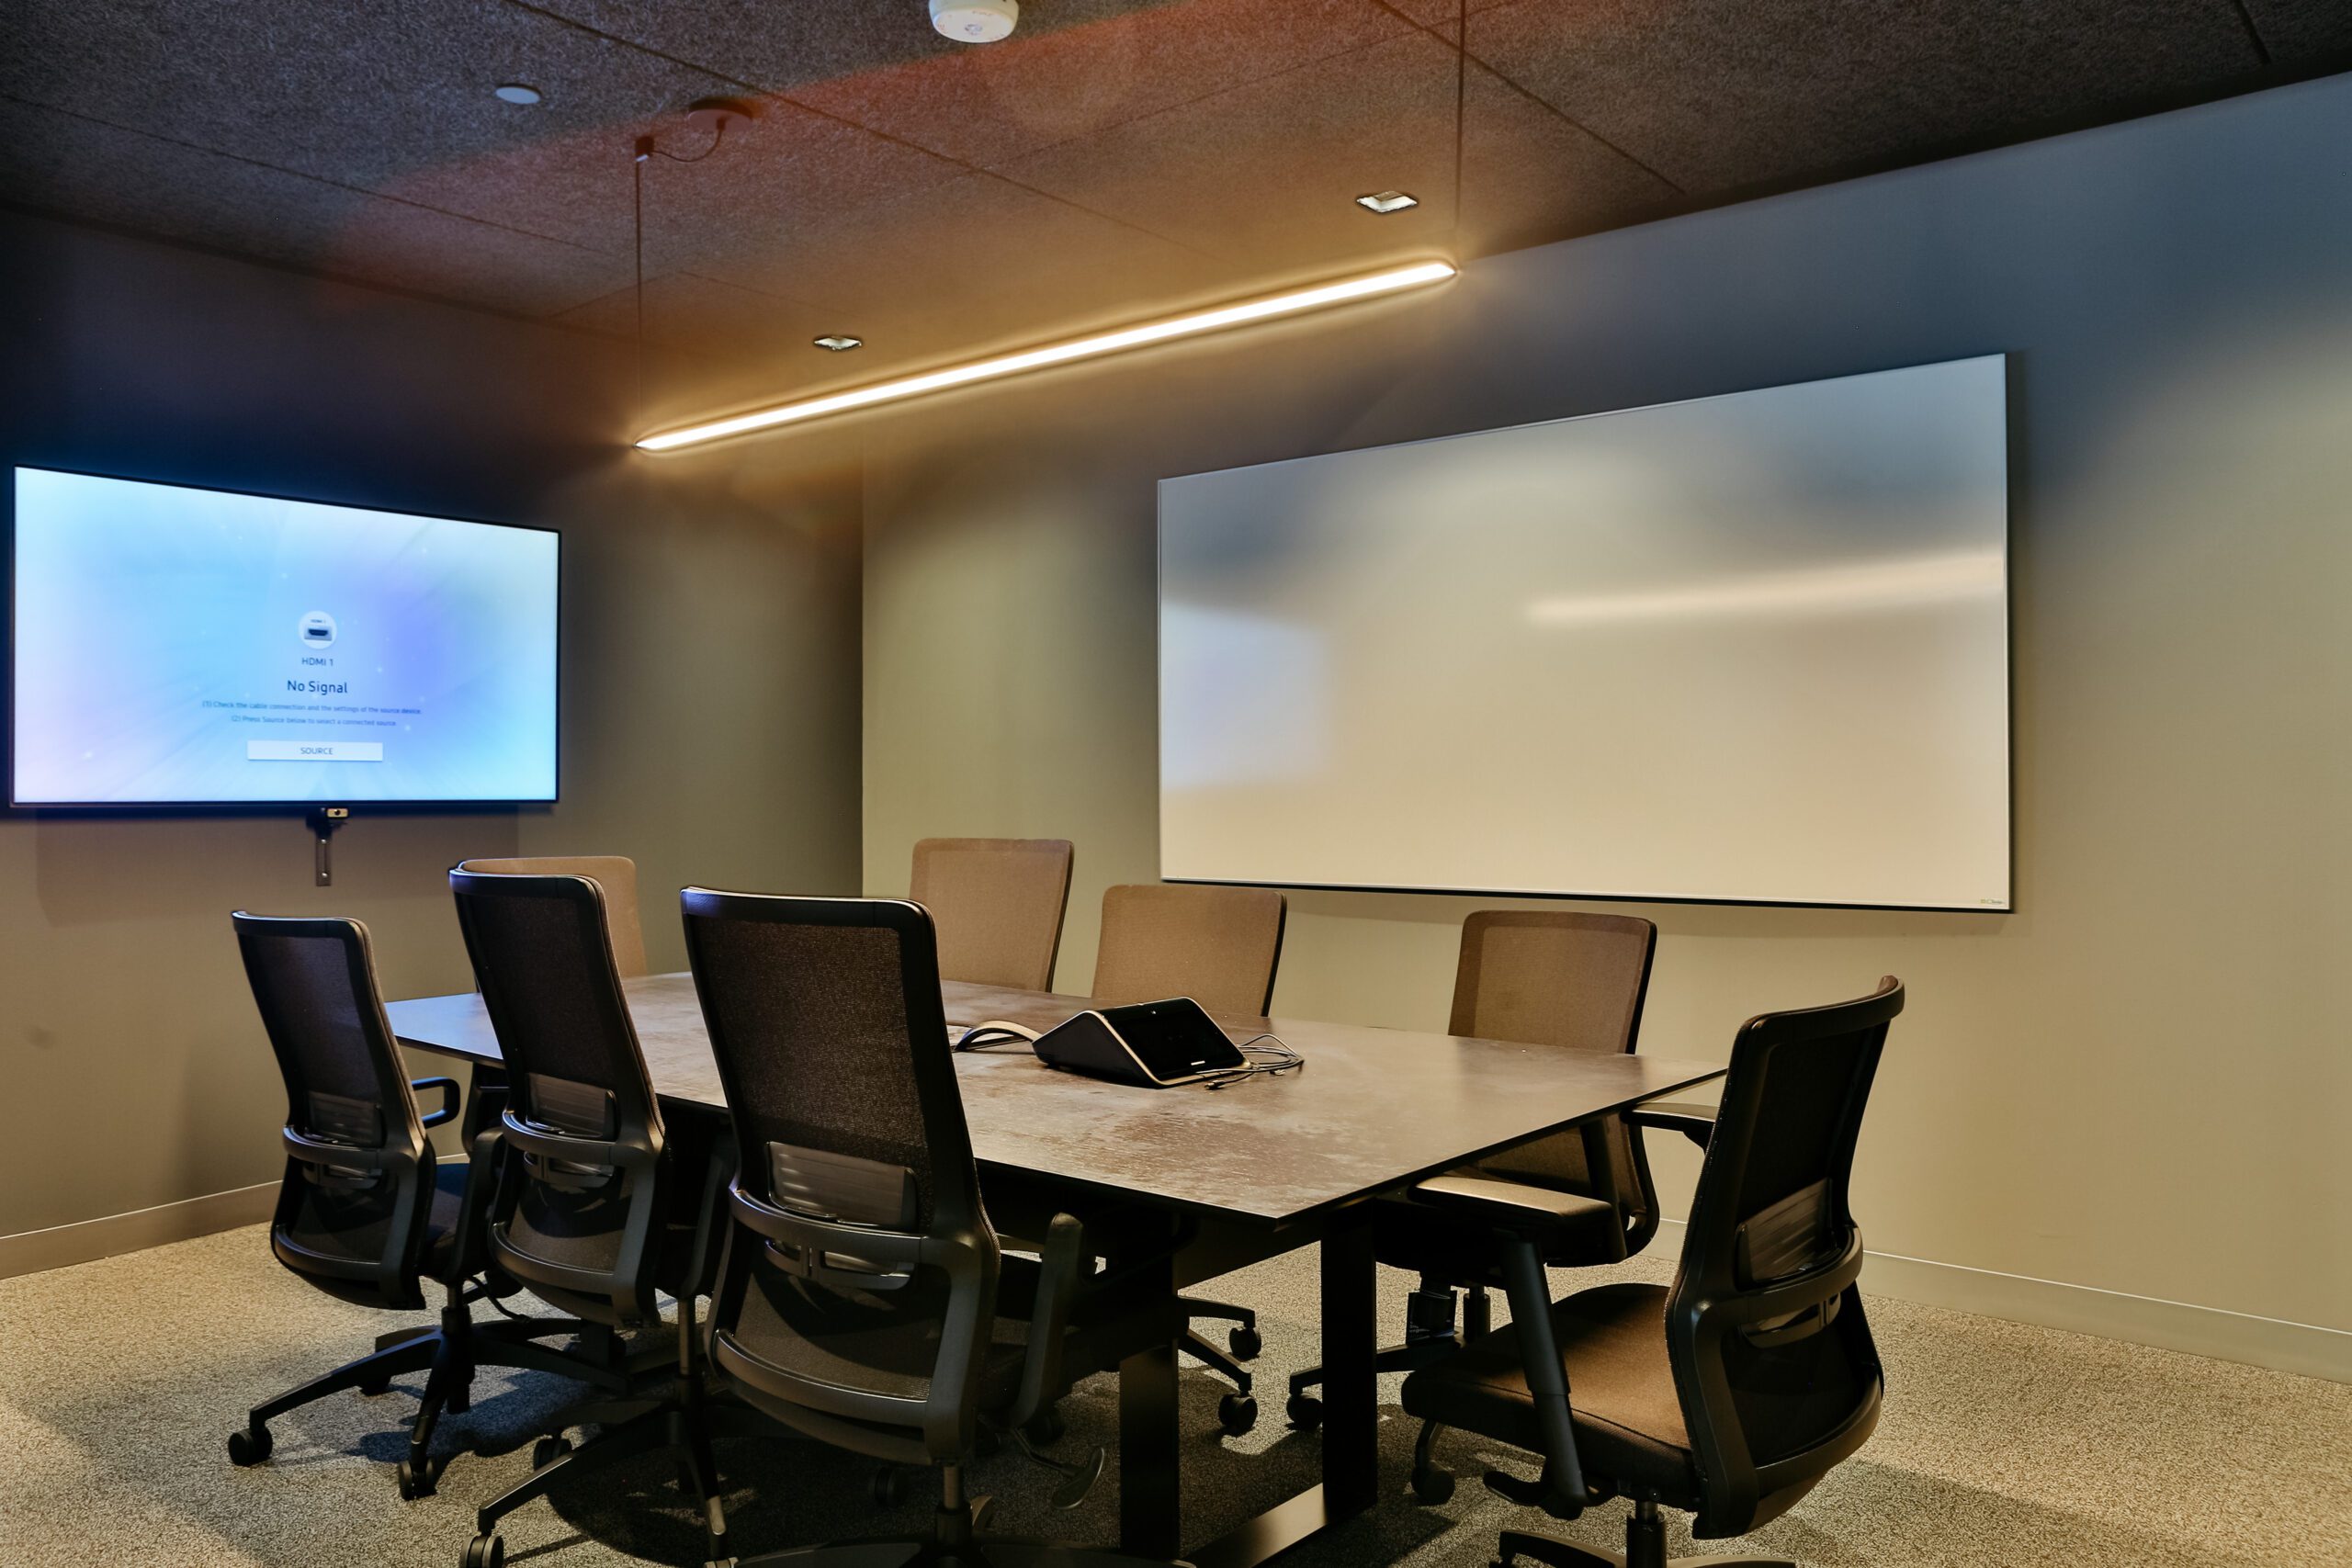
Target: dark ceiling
x=1112 y=157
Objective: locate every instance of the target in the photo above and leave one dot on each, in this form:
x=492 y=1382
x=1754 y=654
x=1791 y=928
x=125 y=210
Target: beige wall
x=2136 y=1083
x=709 y=703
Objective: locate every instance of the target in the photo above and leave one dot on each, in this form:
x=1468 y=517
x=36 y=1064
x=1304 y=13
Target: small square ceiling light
x=1387 y=201
x=838 y=343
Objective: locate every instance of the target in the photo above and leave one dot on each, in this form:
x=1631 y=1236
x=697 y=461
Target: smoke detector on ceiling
x=976 y=21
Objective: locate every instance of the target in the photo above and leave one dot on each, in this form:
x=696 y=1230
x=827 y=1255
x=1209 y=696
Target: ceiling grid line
x=785 y=97
x=368 y=192
x=1530 y=95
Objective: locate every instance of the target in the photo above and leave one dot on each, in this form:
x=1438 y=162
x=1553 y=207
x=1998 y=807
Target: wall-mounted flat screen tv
x=172 y=645
x=1751 y=649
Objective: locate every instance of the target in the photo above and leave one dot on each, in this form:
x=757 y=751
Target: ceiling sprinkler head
x=976 y=21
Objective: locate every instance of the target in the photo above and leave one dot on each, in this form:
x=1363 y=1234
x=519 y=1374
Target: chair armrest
x=1695 y=1120
x=1520 y=1207
x=481 y=1183
x=448 y=1111
x=1061 y=1269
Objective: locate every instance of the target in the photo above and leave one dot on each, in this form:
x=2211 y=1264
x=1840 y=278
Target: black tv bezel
x=405 y=806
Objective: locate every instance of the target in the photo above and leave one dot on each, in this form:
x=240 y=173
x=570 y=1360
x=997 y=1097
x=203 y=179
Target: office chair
x=1219 y=946
x=604 y=1200
x=1731 y=1392
x=1547 y=977
x=365 y=1212
x=863 y=1297
x=997 y=905
x=616 y=874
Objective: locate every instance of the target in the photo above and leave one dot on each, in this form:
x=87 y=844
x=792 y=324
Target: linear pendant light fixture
x=1366 y=286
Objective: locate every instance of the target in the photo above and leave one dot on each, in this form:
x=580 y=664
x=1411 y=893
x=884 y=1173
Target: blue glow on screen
x=195 y=647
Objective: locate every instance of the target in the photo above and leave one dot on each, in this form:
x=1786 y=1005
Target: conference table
x=1262 y=1168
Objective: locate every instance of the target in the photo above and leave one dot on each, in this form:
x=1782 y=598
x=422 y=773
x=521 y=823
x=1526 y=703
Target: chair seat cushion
x=1621 y=1391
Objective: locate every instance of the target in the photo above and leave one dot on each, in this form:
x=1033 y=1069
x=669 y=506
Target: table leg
x=1351 y=1412
x=1151 y=1518
x=1350 y=1385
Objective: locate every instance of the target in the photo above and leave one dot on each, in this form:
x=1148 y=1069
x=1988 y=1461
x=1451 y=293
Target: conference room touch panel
x=1748 y=647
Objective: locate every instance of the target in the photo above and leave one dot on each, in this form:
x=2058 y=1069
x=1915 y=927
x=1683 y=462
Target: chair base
x=1560 y=1554
x=1644 y=1548
x=955 y=1541
x=678 y=1418
x=448 y=1355
x=981 y=1553
x=1430 y=1336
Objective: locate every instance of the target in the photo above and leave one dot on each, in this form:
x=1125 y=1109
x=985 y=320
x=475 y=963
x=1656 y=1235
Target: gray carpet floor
x=2002 y=1445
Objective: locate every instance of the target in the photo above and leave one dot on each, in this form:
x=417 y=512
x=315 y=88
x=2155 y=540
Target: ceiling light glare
x=1387 y=201
x=837 y=343
x=1364 y=287
x=518 y=93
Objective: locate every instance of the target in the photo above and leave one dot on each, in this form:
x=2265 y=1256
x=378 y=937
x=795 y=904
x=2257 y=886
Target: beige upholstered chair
x=616 y=874
x=1220 y=947
x=996 y=905
x=1216 y=945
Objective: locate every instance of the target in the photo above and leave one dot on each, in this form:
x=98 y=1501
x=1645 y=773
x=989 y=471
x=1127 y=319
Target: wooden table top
x=1373 y=1110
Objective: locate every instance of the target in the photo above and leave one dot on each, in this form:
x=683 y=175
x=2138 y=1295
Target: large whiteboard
x=1751 y=647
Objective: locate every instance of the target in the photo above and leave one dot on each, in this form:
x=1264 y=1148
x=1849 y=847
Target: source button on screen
x=314 y=750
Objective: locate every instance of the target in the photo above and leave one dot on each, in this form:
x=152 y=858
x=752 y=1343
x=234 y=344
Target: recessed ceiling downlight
x=518 y=93
x=837 y=343
x=976 y=21
x=1387 y=201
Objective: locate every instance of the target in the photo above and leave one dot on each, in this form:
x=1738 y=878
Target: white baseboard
x=29 y=1252
x=2306 y=1348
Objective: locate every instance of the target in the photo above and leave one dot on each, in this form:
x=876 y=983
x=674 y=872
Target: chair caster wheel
x=1245 y=1342
x=983 y=1513
x=547 y=1450
x=1306 y=1411
x=416 y=1479
x=376 y=1388
x=249 y=1445
x=485 y=1551
x=1237 y=1413
x=889 y=1486
x=1433 y=1485
x=1046 y=1427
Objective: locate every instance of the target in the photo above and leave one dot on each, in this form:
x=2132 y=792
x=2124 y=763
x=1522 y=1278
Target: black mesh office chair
x=1548 y=977
x=603 y=1201
x=864 y=1298
x=1731 y=1392
x=365 y=1212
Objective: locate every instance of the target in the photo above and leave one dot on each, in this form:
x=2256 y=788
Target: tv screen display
x=181 y=646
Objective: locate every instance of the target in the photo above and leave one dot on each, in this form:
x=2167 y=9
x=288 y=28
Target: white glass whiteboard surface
x=1751 y=647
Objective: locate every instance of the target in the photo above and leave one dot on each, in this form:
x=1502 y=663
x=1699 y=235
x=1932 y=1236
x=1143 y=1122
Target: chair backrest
x=616 y=874
x=1564 y=977
x=358 y=1195
x=580 y=1220
x=1773 y=1363
x=856 y=1214
x=996 y=906
x=1217 y=946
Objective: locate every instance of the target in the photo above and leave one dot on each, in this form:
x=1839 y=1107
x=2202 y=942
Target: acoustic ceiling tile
x=1227 y=173
x=1720 y=95
x=2304 y=30
x=942 y=249
x=986 y=105
x=115 y=175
